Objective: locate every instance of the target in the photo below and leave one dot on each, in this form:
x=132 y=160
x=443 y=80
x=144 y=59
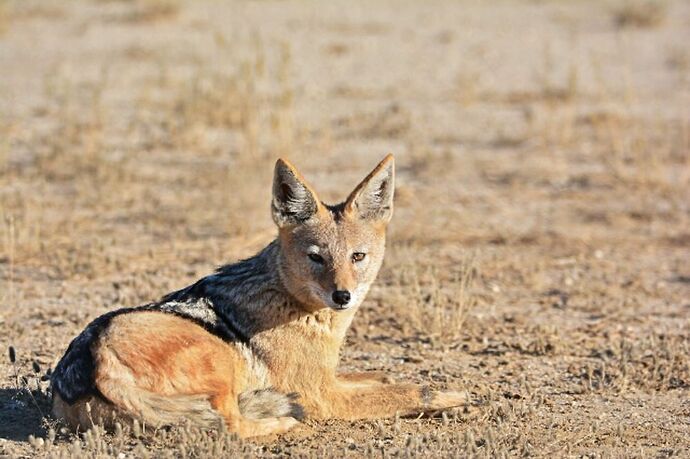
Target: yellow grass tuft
x=641 y=14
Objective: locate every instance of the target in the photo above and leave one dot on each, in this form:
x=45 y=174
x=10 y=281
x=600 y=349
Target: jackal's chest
x=296 y=358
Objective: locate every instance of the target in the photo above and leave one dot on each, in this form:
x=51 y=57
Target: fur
x=254 y=346
x=266 y=403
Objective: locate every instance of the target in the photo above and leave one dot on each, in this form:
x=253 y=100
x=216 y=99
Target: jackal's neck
x=246 y=293
x=254 y=276
x=251 y=297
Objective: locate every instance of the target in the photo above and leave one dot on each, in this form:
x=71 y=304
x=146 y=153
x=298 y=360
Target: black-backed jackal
x=254 y=346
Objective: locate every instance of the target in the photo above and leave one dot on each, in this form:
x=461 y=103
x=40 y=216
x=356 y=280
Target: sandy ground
x=538 y=257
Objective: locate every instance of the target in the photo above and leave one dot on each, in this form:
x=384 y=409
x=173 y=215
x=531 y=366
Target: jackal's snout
x=341 y=297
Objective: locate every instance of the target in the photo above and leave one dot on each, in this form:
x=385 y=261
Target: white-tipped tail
x=267 y=403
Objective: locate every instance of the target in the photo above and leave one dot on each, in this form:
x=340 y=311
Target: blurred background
x=541 y=239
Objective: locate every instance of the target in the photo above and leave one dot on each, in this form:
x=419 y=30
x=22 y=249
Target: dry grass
x=151 y=11
x=537 y=258
x=4 y=16
x=656 y=363
x=641 y=13
x=437 y=298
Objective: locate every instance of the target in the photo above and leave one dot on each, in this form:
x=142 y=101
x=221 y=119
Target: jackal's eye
x=358 y=256
x=316 y=258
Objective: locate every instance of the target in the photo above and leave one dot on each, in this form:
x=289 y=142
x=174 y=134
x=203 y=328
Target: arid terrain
x=538 y=258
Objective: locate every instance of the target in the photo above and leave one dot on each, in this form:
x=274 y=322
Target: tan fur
x=265 y=403
x=162 y=368
x=369 y=377
x=86 y=413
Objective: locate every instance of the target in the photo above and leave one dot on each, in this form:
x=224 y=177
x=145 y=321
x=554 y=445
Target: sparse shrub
x=641 y=13
x=437 y=299
x=5 y=13
x=146 y=11
x=657 y=363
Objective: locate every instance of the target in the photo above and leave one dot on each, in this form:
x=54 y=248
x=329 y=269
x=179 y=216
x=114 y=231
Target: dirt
x=537 y=258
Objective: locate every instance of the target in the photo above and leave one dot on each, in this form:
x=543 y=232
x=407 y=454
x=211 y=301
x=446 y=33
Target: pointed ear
x=373 y=198
x=294 y=202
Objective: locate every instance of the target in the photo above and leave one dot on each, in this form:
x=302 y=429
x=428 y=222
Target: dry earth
x=538 y=258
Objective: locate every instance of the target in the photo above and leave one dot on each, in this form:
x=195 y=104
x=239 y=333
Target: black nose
x=341 y=297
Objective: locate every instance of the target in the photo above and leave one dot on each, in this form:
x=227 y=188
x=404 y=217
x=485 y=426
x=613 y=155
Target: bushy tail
x=136 y=404
x=159 y=410
x=267 y=403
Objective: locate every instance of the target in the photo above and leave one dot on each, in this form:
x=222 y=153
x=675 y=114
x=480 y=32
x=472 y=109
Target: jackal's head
x=330 y=255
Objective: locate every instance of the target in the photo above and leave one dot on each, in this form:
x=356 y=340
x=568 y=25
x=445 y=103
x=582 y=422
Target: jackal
x=255 y=346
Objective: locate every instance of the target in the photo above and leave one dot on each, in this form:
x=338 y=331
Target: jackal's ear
x=294 y=201
x=373 y=198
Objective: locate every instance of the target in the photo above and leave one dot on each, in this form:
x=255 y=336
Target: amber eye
x=316 y=258
x=358 y=256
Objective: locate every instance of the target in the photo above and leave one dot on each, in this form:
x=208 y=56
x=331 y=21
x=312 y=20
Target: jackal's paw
x=267 y=426
x=438 y=400
x=286 y=423
x=278 y=425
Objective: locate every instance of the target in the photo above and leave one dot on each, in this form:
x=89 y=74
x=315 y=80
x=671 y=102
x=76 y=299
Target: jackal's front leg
x=366 y=377
x=353 y=401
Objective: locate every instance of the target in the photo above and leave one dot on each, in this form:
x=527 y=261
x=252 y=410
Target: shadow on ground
x=22 y=413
